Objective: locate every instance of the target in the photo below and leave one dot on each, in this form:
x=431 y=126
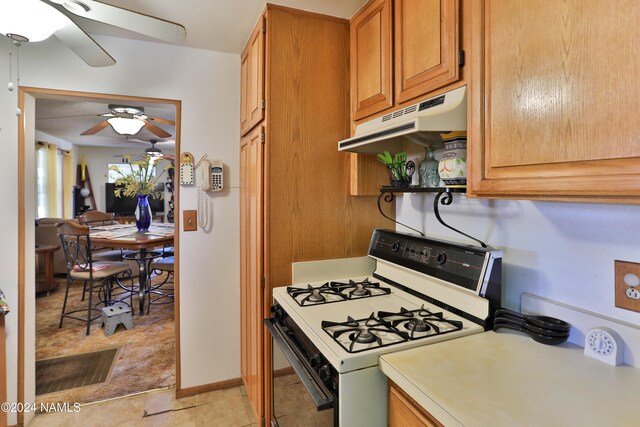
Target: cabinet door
x=405 y=412
x=251 y=265
x=427 y=43
x=555 y=115
x=370 y=35
x=255 y=76
x=244 y=86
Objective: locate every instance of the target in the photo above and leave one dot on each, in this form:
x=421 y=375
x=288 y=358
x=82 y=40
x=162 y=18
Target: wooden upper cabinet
x=244 y=83
x=555 y=115
x=370 y=34
x=427 y=45
x=252 y=102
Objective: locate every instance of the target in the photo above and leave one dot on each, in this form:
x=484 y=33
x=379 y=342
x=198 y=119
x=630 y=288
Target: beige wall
x=208 y=85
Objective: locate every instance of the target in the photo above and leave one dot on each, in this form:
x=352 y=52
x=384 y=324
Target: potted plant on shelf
x=400 y=170
x=141 y=182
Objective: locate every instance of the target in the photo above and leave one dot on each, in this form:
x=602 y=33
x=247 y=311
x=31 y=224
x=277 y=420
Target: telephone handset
x=209 y=179
x=204 y=184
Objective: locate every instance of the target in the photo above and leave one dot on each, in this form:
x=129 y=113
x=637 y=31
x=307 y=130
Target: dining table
x=128 y=237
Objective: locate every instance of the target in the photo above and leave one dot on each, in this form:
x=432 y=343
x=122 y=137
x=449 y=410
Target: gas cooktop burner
x=417 y=325
x=359 y=335
x=420 y=322
x=313 y=296
x=336 y=291
x=363 y=289
x=388 y=328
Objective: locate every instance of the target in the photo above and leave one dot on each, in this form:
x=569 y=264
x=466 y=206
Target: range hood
x=420 y=123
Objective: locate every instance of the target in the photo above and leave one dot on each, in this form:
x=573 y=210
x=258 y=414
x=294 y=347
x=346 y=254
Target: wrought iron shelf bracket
x=444 y=197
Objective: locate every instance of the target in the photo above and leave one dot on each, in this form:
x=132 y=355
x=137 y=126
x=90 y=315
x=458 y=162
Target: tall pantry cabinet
x=294 y=183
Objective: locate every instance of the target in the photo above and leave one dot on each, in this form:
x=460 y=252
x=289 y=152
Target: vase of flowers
x=140 y=182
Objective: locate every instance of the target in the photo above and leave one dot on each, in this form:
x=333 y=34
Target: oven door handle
x=322 y=397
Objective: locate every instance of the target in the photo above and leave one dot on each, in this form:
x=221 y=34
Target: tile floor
x=222 y=408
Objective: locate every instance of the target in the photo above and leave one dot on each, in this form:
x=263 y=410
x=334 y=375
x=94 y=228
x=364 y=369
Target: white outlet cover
x=632 y=293
x=604 y=344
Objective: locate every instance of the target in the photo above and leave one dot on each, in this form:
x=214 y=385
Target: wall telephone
x=209 y=179
x=211 y=175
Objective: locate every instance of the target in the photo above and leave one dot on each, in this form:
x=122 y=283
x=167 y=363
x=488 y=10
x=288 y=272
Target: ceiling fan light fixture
x=29 y=20
x=125 y=126
x=124 y=109
x=153 y=151
x=75 y=6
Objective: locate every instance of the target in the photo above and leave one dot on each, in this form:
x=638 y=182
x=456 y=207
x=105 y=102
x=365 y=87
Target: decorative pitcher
x=453 y=164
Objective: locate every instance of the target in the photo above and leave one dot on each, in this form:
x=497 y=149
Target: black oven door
x=290 y=404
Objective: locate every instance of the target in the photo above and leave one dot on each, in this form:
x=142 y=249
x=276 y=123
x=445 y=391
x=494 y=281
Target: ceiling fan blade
x=165 y=121
x=161 y=133
x=79 y=41
x=133 y=21
x=97 y=128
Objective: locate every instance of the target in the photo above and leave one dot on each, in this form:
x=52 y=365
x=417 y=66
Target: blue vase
x=143 y=213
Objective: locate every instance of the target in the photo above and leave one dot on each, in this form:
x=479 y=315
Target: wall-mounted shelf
x=444 y=196
x=417 y=189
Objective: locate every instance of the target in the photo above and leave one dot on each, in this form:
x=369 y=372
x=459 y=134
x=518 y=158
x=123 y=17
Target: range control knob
x=442 y=258
x=315 y=361
x=395 y=246
x=324 y=373
x=277 y=312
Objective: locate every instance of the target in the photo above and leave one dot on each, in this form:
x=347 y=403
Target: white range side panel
x=208 y=84
x=364 y=393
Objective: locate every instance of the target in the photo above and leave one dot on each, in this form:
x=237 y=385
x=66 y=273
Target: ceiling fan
x=25 y=21
x=152 y=151
x=128 y=120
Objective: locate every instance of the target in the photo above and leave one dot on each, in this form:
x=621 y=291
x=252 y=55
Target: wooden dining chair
x=162 y=293
x=97 y=218
x=99 y=276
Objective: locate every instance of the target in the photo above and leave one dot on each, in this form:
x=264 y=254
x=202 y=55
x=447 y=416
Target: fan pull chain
x=18 y=44
x=11 y=86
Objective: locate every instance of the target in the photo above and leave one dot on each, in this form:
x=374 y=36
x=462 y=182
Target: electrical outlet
x=627 y=280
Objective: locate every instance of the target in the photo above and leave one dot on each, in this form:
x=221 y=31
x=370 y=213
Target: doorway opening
x=67 y=150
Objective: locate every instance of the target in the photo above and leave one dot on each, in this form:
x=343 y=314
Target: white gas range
x=339 y=316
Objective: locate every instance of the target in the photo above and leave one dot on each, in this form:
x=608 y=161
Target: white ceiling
x=219 y=25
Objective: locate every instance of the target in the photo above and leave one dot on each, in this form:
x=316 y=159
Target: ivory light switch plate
x=190 y=220
x=627 y=285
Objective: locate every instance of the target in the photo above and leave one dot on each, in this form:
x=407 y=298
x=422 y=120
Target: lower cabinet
x=405 y=412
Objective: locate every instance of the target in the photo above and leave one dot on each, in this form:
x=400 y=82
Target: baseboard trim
x=205 y=388
x=284 y=371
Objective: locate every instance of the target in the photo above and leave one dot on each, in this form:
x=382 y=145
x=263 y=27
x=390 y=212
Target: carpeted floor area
x=145 y=361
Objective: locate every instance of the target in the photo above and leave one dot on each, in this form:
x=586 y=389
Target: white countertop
x=507 y=379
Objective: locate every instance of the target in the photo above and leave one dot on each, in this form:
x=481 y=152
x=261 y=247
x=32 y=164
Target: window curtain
x=67 y=184
x=52 y=179
x=41 y=190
